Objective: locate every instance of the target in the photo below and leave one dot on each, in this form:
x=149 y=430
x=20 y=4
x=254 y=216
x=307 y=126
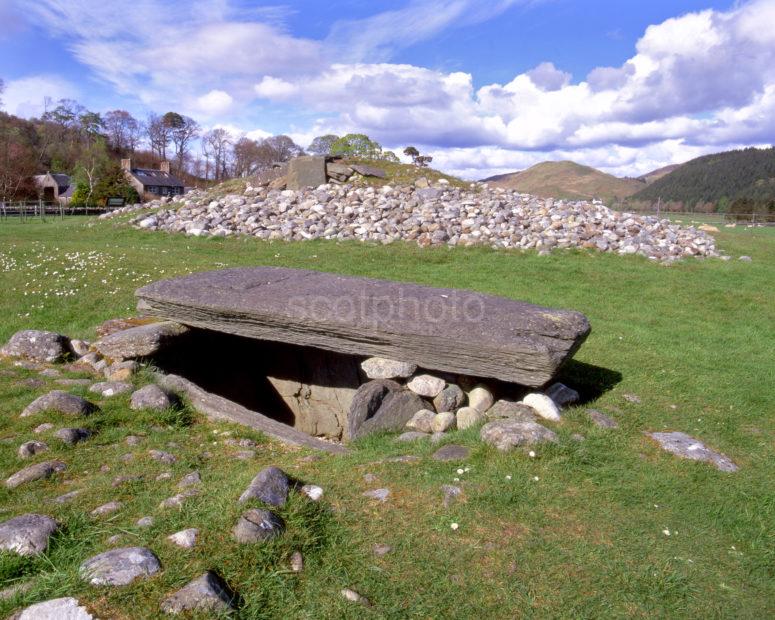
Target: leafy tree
x=411 y=151
x=423 y=160
x=182 y=131
x=357 y=145
x=322 y=144
x=391 y=157
x=113 y=184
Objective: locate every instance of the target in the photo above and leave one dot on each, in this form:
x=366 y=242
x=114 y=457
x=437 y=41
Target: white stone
x=383 y=368
x=184 y=538
x=443 y=422
x=312 y=491
x=426 y=385
x=480 y=398
x=542 y=405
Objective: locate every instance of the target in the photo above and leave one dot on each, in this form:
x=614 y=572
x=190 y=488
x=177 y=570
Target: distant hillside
x=569 y=180
x=749 y=173
x=657 y=174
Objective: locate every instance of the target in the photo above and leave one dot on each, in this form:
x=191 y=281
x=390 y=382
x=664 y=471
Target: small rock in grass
x=632 y=398
x=312 y=491
x=297 y=562
x=121 y=371
x=480 y=398
x=72 y=436
x=468 y=417
x=151 y=397
x=165 y=475
x=73 y=382
x=437 y=437
x=115 y=539
x=507 y=434
x=687 y=447
x=205 y=594
x=127 y=458
x=66 y=497
x=382 y=368
x=451 y=452
x=176 y=501
x=42 y=428
x=27 y=534
x=132 y=440
x=412 y=436
x=119 y=567
x=745 y=259
x=107 y=509
x=162 y=456
x=110 y=388
x=190 y=479
x=381 y=549
x=144 y=521
x=122 y=480
x=59 y=402
x=562 y=395
x=257 y=525
x=354 y=597
x=184 y=538
x=602 y=420
x=451 y=493
x=51 y=373
x=66 y=608
x=31 y=448
x=426 y=385
x=244 y=455
x=543 y=406
x=34 y=472
x=449 y=399
x=422 y=421
x=380 y=495
x=269 y=486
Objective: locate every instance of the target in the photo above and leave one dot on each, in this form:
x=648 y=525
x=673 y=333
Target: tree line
x=68 y=138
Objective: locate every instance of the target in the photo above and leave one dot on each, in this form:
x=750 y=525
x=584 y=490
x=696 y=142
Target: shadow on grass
x=590 y=381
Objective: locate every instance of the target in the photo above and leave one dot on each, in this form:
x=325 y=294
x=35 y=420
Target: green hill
x=718 y=178
x=569 y=180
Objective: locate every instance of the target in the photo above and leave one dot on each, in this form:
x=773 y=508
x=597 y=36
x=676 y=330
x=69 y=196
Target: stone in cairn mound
x=38 y=346
x=562 y=395
x=480 y=398
x=468 y=417
x=307 y=171
x=507 y=434
x=507 y=409
x=444 y=330
x=381 y=368
x=422 y=421
x=442 y=422
x=543 y=406
x=449 y=399
x=381 y=405
x=140 y=341
x=426 y=385
x=151 y=397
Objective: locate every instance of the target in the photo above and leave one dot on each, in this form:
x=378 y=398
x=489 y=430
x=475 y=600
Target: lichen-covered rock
x=687 y=447
x=382 y=405
x=60 y=402
x=38 y=346
x=119 y=567
x=426 y=385
x=66 y=608
x=508 y=433
x=27 y=534
x=151 y=397
x=141 y=341
x=383 y=368
x=507 y=409
x=256 y=525
x=449 y=399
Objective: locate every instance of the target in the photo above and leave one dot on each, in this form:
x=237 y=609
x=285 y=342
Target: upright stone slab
x=446 y=330
x=306 y=172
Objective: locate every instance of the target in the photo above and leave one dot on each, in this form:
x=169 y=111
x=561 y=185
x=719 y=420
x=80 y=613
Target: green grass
x=694 y=341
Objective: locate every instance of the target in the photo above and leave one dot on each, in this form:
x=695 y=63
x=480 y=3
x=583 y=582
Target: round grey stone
x=59 y=402
x=450 y=398
x=35 y=472
x=451 y=452
x=72 y=436
x=207 y=593
x=119 y=567
x=151 y=397
x=38 y=346
x=507 y=434
x=269 y=486
x=31 y=448
x=27 y=534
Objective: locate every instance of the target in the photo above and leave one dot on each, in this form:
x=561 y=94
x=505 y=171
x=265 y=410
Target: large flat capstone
x=447 y=330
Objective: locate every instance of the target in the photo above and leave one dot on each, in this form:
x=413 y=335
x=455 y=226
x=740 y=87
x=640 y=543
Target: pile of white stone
x=429 y=215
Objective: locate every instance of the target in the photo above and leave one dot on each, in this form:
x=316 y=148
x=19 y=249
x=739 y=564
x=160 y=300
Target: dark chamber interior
x=237 y=368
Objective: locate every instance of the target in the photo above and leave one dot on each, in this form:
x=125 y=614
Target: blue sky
x=483 y=86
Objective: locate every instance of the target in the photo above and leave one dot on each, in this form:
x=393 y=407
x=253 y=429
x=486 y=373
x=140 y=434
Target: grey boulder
x=27 y=534
x=34 y=472
x=602 y=420
x=141 y=341
x=450 y=399
x=308 y=171
x=31 y=448
x=509 y=433
x=269 y=486
x=207 y=593
x=257 y=525
x=382 y=405
x=119 y=567
x=66 y=608
x=38 y=346
x=151 y=397
x=509 y=410
x=72 y=436
x=59 y=402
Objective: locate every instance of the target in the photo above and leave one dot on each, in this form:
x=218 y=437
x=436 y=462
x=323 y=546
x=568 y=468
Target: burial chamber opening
x=306 y=388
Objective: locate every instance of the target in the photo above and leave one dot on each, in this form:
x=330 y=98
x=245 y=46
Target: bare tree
x=247 y=157
x=218 y=141
x=183 y=130
x=284 y=147
x=159 y=135
x=123 y=130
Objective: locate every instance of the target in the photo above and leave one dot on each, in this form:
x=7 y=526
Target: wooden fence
x=30 y=210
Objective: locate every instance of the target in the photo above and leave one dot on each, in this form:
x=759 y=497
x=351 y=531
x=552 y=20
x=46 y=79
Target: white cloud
x=25 y=96
x=215 y=102
x=275 y=88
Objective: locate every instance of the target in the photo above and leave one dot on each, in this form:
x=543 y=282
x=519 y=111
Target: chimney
x=126 y=164
x=165 y=166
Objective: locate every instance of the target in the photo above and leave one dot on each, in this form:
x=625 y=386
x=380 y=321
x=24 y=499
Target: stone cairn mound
x=430 y=216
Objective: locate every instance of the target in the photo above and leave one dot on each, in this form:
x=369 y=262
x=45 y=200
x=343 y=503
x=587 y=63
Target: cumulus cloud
x=215 y=102
x=548 y=77
x=25 y=97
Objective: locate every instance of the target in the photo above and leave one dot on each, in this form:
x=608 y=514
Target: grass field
x=577 y=531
